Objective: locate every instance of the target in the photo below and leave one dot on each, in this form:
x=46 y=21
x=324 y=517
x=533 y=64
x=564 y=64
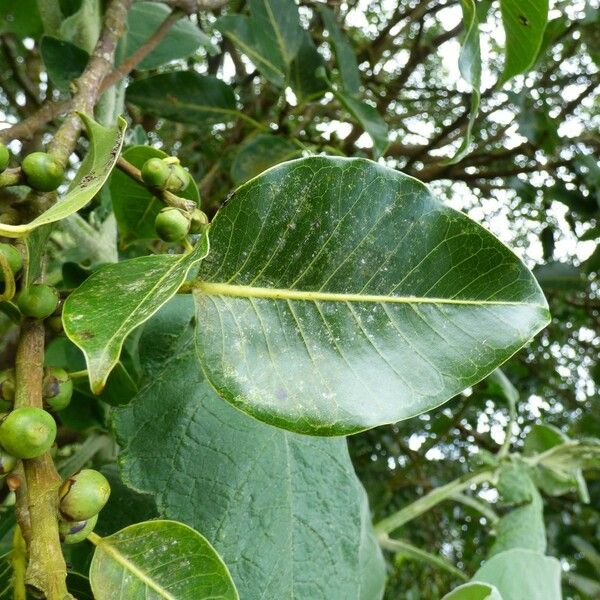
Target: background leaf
x=335 y=264
x=64 y=61
x=116 y=299
x=285 y=511
x=158 y=559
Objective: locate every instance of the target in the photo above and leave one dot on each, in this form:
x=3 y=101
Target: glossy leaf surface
x=156 y=560
x=285 y=511
x=105 y=145
x=117 y=298
x=340 y=295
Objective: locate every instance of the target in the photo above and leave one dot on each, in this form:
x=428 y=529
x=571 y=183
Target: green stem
x=477 y=505
x=11 y=177
x=417 y=508
x=402 y=547
x=79 y=374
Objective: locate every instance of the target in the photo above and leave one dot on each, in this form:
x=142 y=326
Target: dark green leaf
x=116 y=299
x=524 y=25
x=345 y=56
x=346 y=296
x=260 y=153
x=186 y=97
x=560 y=276
x=134 y=206
x=183 y=39
x=370 y=120
x=285 y=511
x=159 y=559
x=64 y=61
x=303 y=71
x=21 y=17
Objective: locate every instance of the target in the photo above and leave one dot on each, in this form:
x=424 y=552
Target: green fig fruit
x=27 y=432
x=171 y=224
x=72 y=532
x=42 y=171
x=13 y=257
x=83 y=495
x=198 y=221
x=7 y=462
x=4 y=157
x=57 y=388
x=178 y=179
x=155 y=173
x=38 y=301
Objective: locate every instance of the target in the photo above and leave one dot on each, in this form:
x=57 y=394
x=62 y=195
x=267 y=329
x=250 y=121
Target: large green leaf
x=143 y=19
x=116 y=299
x=105 y=145
x=524 y=25
x=474 y=590
x=285 y=511
x=469 y=63
x=158 y=559
x=134 y=206
x=522 y=575
x=344 y=54
x=340 y=295
x=369 y=119
x=185 y=96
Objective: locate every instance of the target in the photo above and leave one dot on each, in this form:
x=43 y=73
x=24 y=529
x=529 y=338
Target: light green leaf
x=158 y=559
x=183 y=39
x=134 y=206
x=260 y=153
x=522 y=575
x=469 y=63
x=285 y=511
x=186 y=97
x=370 y=120
x=524 y=25
x=116 y=299
x=340 y=295
x=474 y=591
x=105 y=145
x=344 y=54
x=82 y=28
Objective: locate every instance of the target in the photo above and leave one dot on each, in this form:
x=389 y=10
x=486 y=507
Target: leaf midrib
x=245 y=291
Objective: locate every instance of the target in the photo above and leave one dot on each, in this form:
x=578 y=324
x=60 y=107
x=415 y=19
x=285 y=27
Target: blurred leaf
x=64 y=61
x=259 y=153
x=82 y=28
x=524 y=25
x=474 y=591
x=303 y=71
x=344 y=53
x=539 y=128
x=560 y=276
x=20 y=17
x=183 y=39
x=185 y=96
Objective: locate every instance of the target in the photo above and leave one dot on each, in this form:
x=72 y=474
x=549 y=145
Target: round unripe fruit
x=57 y=388
x=72 y=532
x=83 y=495
x=7 y=388
x=198 y=221
x=155 y=173
x=7 y=462
x=178 y=179
x=38 y=301
x=4 y=157
x=171 y=224
x=27 y=432
x=42 y=171
x=13 y=257
x=55 y=324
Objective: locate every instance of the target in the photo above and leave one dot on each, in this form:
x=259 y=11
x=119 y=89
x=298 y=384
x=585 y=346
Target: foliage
x=327 y=322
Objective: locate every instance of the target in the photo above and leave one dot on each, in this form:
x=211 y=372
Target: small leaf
x=182 y=40
x=474 y=591
x=105 y=145
x=158 y=559
x=522 y=575
x=116 y=299
x=370 y=120
x=260 y=153
x=64 y=61
x=134 y=206
x=345 y=55
x=303 y=71
x=347 y=296
x=186 y=97
x=524 y=25
x=469 y=63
